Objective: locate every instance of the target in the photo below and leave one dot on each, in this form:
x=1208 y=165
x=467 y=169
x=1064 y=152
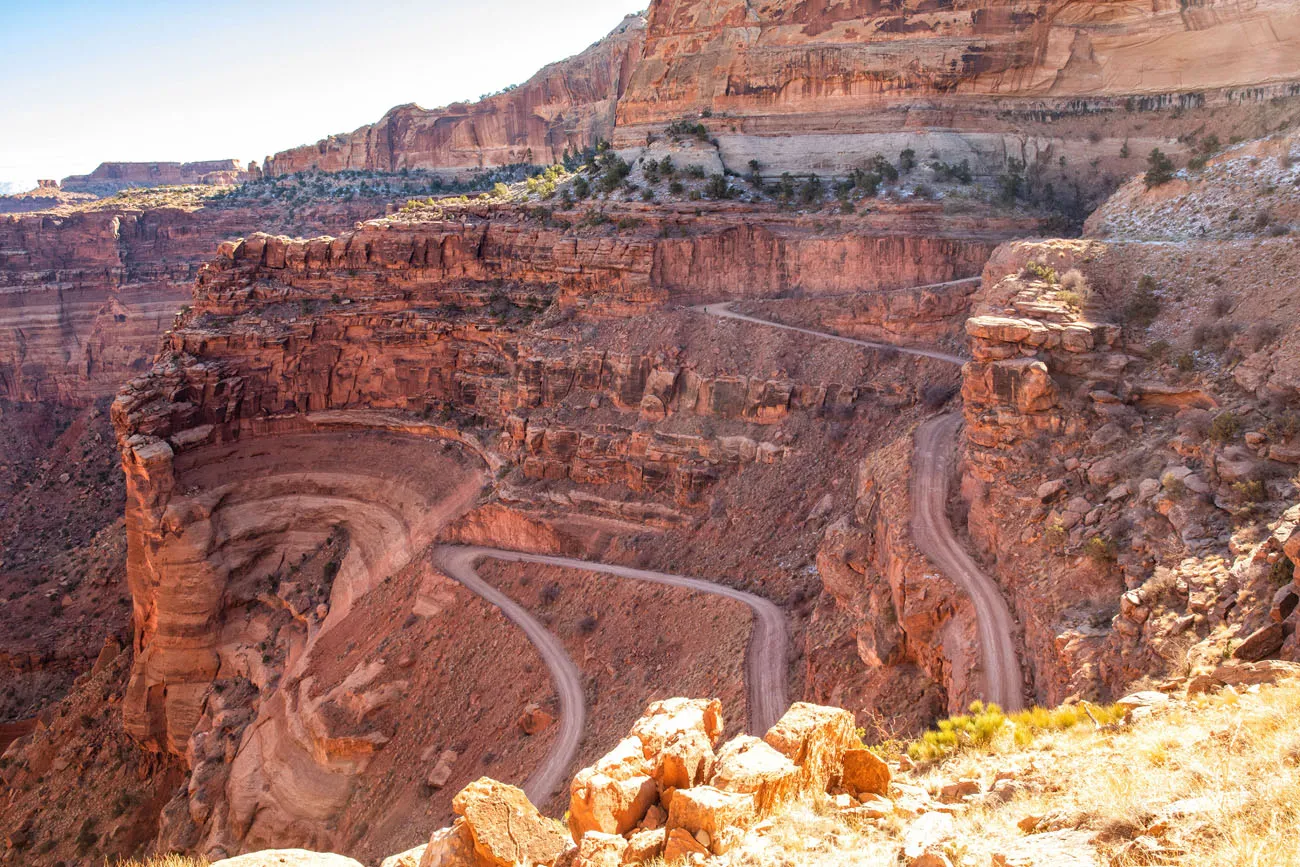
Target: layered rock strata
x=565 y=108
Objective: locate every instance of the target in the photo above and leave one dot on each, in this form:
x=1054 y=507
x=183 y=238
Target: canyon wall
x=84 y=296
x=566 y=107
x=1078 y=91
x=329 y=407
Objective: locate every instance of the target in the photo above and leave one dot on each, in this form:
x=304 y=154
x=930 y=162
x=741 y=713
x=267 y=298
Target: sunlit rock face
x=800 y=85
x=567 y=106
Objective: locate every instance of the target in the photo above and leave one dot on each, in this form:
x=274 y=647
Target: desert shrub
x=952 y=172
x=1011 y=183
x=1174 y=485
x=676 y=188
x=1251 y=491
x=1282 y=572
x=1284 y=426
x=581 y=187
x=696 y=172
x=1225 y=427
x=1036 y=270
x=1144 y=305
x=1075 y=281
x=1101 y=550
x=986 y=728
x=550 y=594
x=811 y=190
x=1214 y=336
x=906 y=161
x=1160 y=169
x=718 y=188
x=1223 y=305
x=1054 y=534
x=1261 y=334
x=1185 y=362
x=587 y=625
x=680 y=129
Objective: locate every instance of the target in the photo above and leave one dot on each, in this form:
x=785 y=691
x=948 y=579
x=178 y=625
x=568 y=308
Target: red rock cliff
x=567 y=106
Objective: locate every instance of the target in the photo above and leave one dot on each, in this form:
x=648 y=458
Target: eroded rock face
x=568 y=106
x=85 y=296
x=108 y=178
x=815 y=85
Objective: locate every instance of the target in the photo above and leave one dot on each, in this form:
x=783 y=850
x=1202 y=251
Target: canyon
x=398 y=475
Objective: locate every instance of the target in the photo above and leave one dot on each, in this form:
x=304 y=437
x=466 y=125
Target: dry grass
x=164 y=861
x=1208 y=782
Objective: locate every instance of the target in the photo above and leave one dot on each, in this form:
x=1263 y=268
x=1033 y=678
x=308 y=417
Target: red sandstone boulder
x=815 y=738
x=614 y=794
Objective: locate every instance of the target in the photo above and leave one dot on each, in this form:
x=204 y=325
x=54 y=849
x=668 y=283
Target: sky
x=149 y=81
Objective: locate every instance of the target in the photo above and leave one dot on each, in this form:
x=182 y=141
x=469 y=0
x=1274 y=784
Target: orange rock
x=865 y=773
x=750 y=766
x=614 y=794
x=815 y=738
x=505 y=827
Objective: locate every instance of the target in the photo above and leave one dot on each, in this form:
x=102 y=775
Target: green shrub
x=1160 y=169
x=1225 y=427
x=987 y=728
x=1035 y=270
x=1101 y=550
x=1143 y=308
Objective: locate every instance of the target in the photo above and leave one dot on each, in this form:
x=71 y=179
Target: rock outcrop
x=109 y=178
x=84 y=296
x=564 y=108
x=819 y=87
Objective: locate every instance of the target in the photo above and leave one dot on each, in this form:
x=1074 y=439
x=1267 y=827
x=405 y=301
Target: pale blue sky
x=149 y=80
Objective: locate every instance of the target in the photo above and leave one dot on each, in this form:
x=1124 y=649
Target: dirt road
x=724 y=310
x=935 y=444
x=765 y=662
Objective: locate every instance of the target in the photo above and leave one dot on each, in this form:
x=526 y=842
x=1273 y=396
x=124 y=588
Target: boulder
x=450 y=847
x=865 y=773
x=441 y=772
x=815 y=738
x=645 y=845
x=953 y=793
x=596 y=849
x=409 y=858
x=1264 y=643
x=712 y=811
x=614 y=794
x=679 y=845
x=747 y=765
x=505 y=827
x=667 y=719
x=534 y=720
x=287 y=858
x=686 y=760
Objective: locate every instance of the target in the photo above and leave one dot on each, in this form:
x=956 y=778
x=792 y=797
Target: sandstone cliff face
x=799 y=85
x=84 y=296
x=568 y=106
x=299 y=414
x=1127 y=465
x=821 y=87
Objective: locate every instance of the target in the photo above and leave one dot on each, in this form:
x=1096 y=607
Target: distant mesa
x=113 y=177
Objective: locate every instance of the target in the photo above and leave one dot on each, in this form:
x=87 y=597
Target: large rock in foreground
x=498 y=827
x=288 y=858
